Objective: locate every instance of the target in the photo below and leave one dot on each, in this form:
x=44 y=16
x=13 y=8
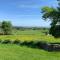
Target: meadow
x=30 y=35
x=19 y=52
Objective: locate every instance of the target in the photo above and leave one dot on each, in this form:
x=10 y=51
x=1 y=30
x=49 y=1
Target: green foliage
x=7 y=27
x=57 y=31
x=48 y=12
x=52 y=29
x=6 y=42
x=16 y=42
x=52 y=14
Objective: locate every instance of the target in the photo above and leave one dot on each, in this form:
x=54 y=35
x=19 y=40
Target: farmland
x=30 y=35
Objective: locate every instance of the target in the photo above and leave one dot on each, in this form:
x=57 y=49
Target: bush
x=0 y=41
x=7 y=27
x=6 y=41
x=26 y=43
x=16 y=42
x=40 y=44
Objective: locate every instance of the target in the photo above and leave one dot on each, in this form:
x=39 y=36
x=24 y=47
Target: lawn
x=15 y=52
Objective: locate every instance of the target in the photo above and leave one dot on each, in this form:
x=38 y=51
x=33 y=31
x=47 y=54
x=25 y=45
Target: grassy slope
x=14 y=52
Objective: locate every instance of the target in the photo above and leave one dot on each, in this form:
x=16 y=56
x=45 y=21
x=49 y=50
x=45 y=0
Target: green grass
x=15 y=52
x=29 y=32
x=29 y=35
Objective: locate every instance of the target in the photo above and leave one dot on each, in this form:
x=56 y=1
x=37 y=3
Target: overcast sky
x=25 y=12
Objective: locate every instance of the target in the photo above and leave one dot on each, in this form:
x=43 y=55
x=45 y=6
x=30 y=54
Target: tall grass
x=30 y=35
x=30 y=38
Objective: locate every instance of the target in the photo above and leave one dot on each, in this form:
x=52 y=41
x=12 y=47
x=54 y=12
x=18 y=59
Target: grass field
x=29 y=32
x=29 y=35
x=15 y=52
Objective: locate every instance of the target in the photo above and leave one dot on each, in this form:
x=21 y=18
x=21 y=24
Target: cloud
x=29 y=3
x=28 y=15
x=28 y=6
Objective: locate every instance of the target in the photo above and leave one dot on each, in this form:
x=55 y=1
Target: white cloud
x=28 y=6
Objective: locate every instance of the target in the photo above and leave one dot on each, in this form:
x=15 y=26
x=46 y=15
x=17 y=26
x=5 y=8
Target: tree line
x=6 y=28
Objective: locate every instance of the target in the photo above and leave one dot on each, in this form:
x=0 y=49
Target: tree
x=53 y=14
x=7 y=27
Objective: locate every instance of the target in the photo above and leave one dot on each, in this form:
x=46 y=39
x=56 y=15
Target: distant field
x=29 y=32
x=29 y=35
x=15 y=52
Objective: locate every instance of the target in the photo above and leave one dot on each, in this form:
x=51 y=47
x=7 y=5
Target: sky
x=25 y=12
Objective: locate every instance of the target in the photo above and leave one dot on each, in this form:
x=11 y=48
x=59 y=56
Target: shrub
x=0 y=41
x=16 y=42
x=26 y=43
x=40 y=44
x=6 y=41
x=7 y=27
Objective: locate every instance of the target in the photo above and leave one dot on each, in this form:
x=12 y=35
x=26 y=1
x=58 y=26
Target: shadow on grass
x=35 y=44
